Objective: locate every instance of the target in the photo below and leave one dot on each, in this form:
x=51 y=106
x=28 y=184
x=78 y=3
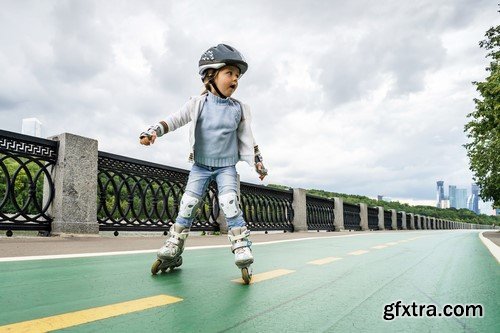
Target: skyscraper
x=32 y=126
x=452 y=196
x=461 y=198
x=473 y=200
x=440 y=192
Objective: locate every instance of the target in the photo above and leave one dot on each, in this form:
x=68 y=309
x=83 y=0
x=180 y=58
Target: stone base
x=74 y=228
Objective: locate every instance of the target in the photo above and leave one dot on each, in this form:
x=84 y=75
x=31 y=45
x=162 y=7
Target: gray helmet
x=220 y=56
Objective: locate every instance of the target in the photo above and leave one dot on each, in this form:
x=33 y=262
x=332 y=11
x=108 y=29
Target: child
x=220 y=136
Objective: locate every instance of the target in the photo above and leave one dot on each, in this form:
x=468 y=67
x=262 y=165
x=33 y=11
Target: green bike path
x=335 y=284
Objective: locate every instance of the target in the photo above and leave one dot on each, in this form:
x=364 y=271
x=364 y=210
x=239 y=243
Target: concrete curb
x=492 y=247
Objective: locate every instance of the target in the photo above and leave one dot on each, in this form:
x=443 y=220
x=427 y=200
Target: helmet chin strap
x=212 y=83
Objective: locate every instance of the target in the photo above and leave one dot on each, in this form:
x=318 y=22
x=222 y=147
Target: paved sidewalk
x=20 y=246
x=493 y=236
x=106 y=242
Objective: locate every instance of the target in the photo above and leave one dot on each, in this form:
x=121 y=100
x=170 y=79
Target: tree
x=484 y=126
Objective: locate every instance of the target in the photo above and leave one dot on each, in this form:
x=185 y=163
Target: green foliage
x=484 y=126
x=25 y=177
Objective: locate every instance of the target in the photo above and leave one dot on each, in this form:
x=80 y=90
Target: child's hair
x=210 y=74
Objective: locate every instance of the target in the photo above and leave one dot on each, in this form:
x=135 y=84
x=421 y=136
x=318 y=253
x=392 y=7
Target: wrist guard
x=259 y=159
x=157 y=128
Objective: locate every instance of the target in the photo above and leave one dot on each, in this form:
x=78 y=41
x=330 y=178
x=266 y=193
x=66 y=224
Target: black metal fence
x=26 y=185
x=388 y=219
x=399 y=220
x=352 y=219
x=373 y=218
x=320 y=213
x=135 y=195
x=266 y=208
x=408 y=221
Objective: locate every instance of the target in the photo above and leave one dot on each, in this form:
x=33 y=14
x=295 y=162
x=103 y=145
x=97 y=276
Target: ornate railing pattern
x=373 y=218
x=387 y=219
x=135 y=195
x=26 y=185
x=399 y=220
x=320 y=213
x=266 y=208
x=352 y=219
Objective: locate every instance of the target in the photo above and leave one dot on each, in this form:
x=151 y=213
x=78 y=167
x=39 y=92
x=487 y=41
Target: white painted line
x=492 y=247
x=358 y=252
x=189 y=248
x=378 y=247
x=392 y=243
x=116 y=253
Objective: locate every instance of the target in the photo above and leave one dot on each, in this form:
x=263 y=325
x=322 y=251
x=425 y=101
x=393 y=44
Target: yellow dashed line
x=358 y=252
x=86 y=316
x=378 y=247
x=266 y=276
x=324 y=261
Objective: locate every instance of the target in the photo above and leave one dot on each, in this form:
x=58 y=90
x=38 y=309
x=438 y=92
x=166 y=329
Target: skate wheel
x=246 y=275
x=156 y=267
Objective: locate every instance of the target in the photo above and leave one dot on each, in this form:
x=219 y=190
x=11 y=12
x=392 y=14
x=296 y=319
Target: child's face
x=227 y=80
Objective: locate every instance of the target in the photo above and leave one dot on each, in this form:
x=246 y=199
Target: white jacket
x=190 y=111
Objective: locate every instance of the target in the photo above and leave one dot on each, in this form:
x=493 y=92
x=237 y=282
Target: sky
x=360 y=97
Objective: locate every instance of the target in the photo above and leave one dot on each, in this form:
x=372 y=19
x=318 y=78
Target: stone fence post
x=394 y=216
x=412 y=222
x=403 y=221
x=363 y=214
x=381 y=225
x=299 y=209
x=74 y=207
x=339 y=214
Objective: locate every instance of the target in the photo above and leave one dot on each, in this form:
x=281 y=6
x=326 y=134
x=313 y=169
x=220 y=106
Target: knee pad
x=188 y=205
x=229 y=204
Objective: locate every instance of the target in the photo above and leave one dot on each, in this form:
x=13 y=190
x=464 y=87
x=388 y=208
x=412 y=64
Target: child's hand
x=148 y=138
x=261 y=170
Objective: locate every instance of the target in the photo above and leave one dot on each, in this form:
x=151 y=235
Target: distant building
x=461 y=198
x=32 y=126
x=452 y=196
x=440 y=192
x=382 y=198
x=444 y=204
x=473 y=200
x=497 y=212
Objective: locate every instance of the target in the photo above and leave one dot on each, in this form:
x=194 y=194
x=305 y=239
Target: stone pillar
x=394 y=216
x=74 y=207
x=412 y=222
x=363 y=214
x=381 y=225
x=403 y=221
x=299 y=210
x=418 y=225
x=434 y=222
x=339 y=214
x=425 y=222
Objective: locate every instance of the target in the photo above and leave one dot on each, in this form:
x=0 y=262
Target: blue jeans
x=199 y=178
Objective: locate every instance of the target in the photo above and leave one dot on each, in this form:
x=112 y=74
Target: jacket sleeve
x=246 y=139
x=181 y=117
